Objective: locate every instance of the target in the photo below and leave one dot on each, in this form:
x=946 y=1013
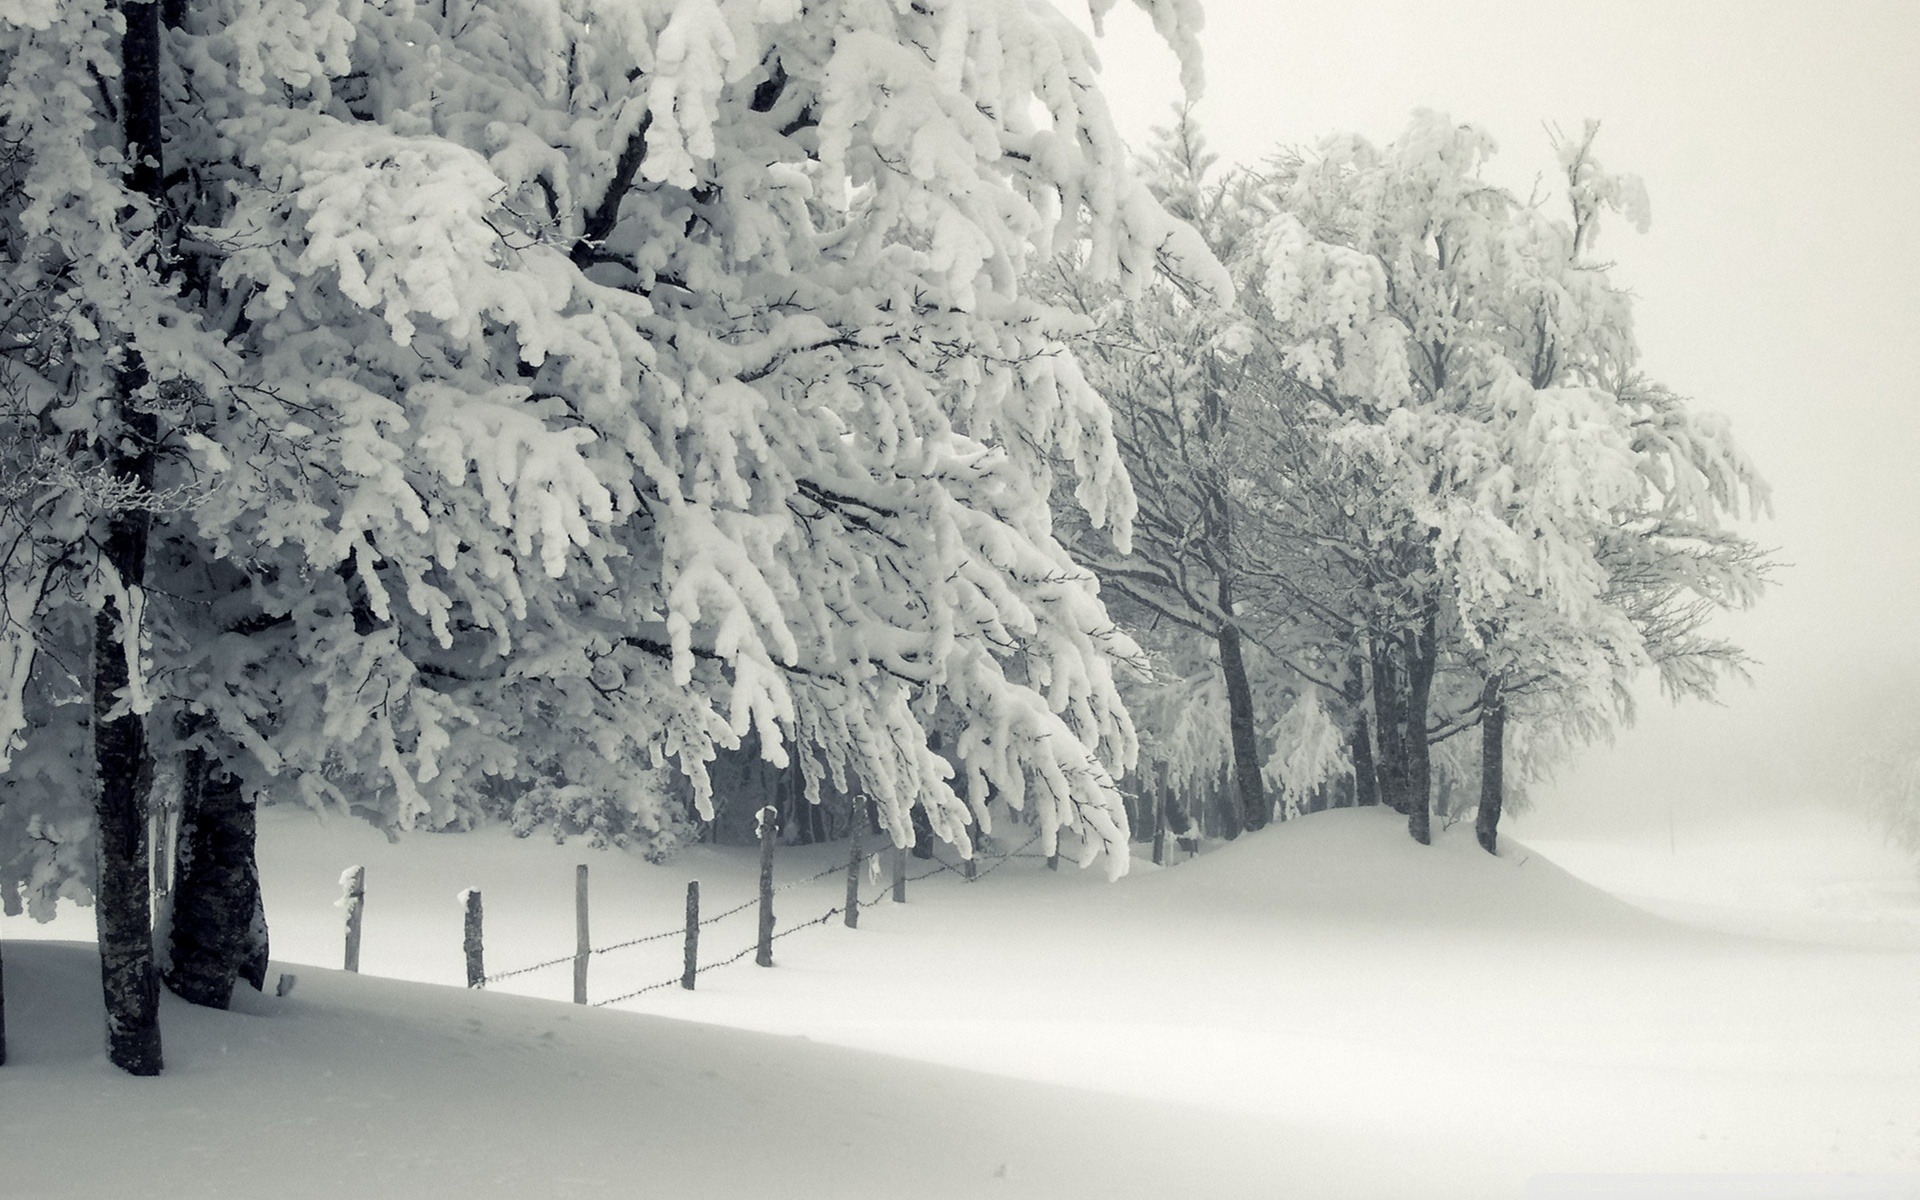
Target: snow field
x=1325 y=1009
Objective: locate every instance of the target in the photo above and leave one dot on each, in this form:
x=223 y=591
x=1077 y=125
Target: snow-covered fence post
x=769 y=822
x=853 y=865
x=692 y=964
x=470 y=939
x=582 y=940
x=354 y=900
x=1053 y=860
x=972 y=871
x=899 y=874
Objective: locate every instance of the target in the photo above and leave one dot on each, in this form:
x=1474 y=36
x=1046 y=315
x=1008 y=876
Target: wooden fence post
x=899 y=874
x=1053 y=860
x=582 y=940
x=470 y=939
x=692 y=966
x=973 y=865
x=769 y=819
x=354 y=880
x=853 y=865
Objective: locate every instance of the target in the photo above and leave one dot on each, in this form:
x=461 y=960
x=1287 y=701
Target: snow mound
x=1360 y=864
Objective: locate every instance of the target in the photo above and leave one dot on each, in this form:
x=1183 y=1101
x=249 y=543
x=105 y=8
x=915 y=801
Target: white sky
x=1780 y=284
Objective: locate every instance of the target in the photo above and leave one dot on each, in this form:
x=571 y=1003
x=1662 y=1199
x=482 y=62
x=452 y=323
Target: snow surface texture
x=1323 y=1010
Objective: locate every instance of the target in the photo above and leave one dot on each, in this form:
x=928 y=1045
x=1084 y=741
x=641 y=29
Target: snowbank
x=1323 y=1009
x=355 y=1086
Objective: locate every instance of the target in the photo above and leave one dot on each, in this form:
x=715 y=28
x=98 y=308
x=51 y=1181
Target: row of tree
x=529 y=411
x=1411 y=516
x=490 y=406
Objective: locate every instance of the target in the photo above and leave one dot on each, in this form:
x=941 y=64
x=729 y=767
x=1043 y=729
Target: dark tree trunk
x=219 y=919
x=809 y=818
x=784 y=800
x=122 y=900
x=1249 y=790
x=122 y=761
x=1366 y=783
x=1493 y=766
x=1389 y=706
x=1162 y=796
x=1363 y=790
x=922 y=833
x=1422 y=659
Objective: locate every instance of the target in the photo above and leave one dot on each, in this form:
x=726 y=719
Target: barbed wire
x=1008 y=857
x=652 y=987
x=738 y=908
x=677 y=931
x=541 y=966
x=878 y=897
x=822 y=919
x=939 y=865
x=680 y=978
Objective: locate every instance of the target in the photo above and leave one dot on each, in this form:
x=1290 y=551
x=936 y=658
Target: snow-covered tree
x=527 y=393
x=1886 y=779
x=1412 y=466
x=98 y=352
x=1168 y=361
x=681 y=344
x=1476 y=361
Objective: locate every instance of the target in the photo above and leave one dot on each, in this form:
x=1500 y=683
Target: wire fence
x=862 y=865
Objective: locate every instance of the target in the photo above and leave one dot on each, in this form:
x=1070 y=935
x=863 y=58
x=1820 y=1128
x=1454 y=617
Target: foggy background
x=1780 y=285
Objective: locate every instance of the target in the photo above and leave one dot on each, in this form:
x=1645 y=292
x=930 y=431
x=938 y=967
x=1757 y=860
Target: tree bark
x=922 y=832
x=1422 y=659
x=1250 y=791
x=219 y=918
x=122 y=899
x=1160 y=801
x=123 y=762
x=1493 y=767
x=1366 y=783
x=1389 y=707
